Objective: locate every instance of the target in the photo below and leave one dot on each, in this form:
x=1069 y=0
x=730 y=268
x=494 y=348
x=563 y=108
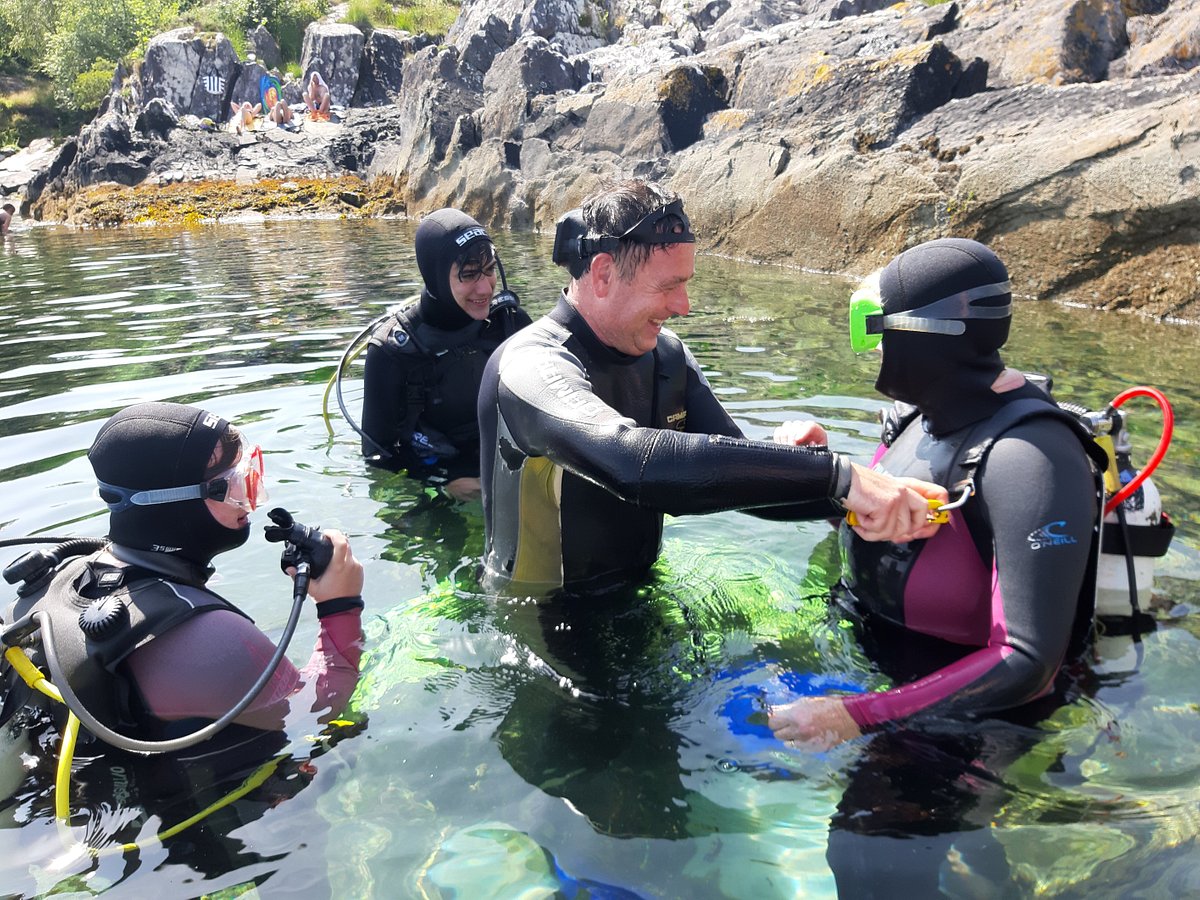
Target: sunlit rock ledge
x=827 y=134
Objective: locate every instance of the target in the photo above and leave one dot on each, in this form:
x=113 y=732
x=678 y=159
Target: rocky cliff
x=827 y=134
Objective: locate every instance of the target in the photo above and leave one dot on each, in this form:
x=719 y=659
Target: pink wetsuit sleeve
x=205 y=665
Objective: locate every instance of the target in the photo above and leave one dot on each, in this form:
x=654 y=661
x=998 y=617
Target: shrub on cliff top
x=417 y=16
x=285 y=19
x=87 y=33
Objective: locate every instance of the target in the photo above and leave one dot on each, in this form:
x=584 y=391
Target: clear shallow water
x=511 y=750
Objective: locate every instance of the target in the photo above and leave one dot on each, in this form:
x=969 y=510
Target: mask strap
x=151 y=498
x=945 y=316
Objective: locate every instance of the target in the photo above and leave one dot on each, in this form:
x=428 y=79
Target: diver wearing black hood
x=425 y=362
x=162 y=653
x=977 y=619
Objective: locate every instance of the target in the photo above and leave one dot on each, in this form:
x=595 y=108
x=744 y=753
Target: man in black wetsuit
x=596 y=420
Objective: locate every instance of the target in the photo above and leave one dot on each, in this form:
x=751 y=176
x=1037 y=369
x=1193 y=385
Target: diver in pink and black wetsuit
x=978 y=618
x=973 y=624
x=180 y=484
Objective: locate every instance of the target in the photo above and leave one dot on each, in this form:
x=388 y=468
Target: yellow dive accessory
x=939 y=513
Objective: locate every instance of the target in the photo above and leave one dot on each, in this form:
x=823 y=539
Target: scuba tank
x=1135 y=530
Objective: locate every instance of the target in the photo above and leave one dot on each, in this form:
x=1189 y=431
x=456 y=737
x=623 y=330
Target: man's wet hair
x=9 y=208
x=616 y=208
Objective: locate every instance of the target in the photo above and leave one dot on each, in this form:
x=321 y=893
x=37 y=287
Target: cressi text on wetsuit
x=585 y=449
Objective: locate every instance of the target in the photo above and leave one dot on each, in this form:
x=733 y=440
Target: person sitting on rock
x=316 y=97
x=244 y=115
x=281 y=114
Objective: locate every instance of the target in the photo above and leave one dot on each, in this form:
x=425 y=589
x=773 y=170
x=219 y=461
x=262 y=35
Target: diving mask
x=668 y=224
x=240 y=485
x=945 y=316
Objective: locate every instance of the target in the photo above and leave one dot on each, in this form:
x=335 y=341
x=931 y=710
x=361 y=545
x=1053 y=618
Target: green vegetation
x=416 y=16
x=57 y=56
x=78 y=43
x=27 y=111
x=285 y=19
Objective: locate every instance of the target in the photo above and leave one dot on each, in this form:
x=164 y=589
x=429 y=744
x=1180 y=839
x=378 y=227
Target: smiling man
x=596 y=420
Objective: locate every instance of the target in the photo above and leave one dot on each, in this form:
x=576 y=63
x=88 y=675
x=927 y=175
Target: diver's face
x=634 y=311
x=227 y=515
x=472 y=287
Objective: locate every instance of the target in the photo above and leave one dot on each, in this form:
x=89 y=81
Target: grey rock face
x=1165 y=42
x=193 y=72
x=530 y=69
x=825 y=133
x=382 y=70
x=265 y=48
x=335 y=51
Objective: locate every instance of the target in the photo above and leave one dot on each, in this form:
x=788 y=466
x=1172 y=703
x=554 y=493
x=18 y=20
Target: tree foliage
x=74 y=40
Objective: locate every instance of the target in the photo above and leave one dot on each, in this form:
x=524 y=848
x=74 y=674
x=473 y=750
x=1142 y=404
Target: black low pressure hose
x=77 y=546
x=148 y=748
x=341 y=369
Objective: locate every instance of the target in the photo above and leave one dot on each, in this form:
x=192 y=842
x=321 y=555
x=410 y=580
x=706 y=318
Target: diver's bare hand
x=813 y=723
x=891 y=509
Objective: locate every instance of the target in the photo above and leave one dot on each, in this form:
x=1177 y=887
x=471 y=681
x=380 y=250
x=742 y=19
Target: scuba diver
x=979 y=626
x=171 y=691
x=597 y=421
x=128 y=628
x=425 y=361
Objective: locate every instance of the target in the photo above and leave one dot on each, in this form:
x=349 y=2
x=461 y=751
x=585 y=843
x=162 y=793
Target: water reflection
x=539 y=748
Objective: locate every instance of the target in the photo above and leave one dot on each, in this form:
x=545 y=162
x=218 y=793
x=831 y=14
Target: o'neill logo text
x=1050 y=535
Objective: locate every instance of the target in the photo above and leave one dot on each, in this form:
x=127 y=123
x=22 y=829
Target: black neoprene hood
x=162 y=445
x=948 y=377
x=441 y=237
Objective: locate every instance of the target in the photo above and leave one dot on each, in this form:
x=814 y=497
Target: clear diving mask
x=240 y=485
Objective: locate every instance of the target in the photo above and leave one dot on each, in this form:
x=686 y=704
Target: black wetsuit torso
x=584 y=449
x=998 y=588
x=421 y=379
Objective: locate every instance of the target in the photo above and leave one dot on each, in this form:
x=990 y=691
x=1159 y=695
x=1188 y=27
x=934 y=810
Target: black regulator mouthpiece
x=302 y=543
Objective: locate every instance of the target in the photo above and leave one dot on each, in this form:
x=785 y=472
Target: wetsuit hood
x=948 y=377
x=441 y=238
x=150 y=446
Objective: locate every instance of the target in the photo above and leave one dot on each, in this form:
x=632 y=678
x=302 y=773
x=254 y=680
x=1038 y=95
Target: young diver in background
x=983 y=612
x=155 y=654
x=425 y=362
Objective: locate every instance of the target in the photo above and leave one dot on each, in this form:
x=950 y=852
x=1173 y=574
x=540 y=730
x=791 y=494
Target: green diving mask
x=945 y=316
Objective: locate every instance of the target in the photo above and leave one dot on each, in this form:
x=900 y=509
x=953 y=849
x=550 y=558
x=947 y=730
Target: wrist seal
x=335 y=605
x=842 y=475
